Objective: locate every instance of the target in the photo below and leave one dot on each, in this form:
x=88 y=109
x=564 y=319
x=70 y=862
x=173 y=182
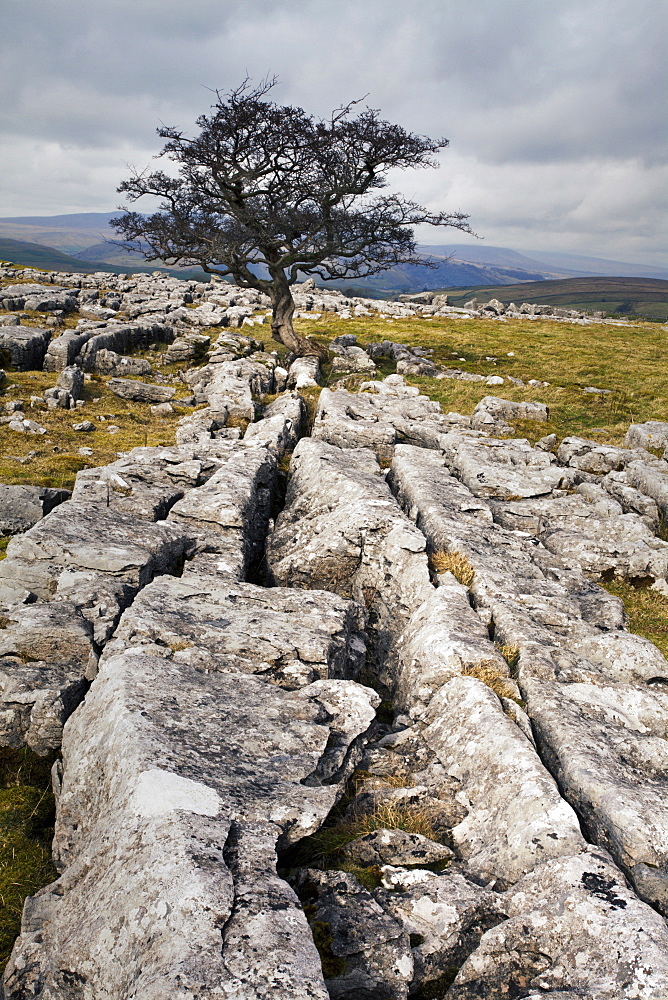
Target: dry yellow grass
x=455 y=563
x=489 y=674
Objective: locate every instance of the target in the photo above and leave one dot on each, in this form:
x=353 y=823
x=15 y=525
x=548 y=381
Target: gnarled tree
x=267 y=194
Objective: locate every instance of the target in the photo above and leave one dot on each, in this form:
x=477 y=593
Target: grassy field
x=633 y=297
x=627 y=360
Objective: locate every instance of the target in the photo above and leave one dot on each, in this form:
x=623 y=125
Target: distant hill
x=47 y=258
x=640 y=298
x=87 y=236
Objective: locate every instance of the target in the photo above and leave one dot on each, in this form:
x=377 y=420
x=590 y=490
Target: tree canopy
x=267 y=194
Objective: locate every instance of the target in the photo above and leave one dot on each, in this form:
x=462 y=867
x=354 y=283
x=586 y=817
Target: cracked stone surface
x=210 y=724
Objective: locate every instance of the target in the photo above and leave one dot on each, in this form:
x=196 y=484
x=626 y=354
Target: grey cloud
x=550 y=101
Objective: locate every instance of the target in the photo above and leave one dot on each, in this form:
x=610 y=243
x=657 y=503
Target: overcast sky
x=555 y=109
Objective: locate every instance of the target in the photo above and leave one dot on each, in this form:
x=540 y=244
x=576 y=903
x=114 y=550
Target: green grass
x=26 y=829
x=628 y=360
x=633 y=297
x=57 y=460
x=647 y=611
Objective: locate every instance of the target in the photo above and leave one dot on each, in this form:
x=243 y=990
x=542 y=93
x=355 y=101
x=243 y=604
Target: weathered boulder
x=229 y=515
x=24 y=347
x=140 y=392
x=589 y=530
x=607 y=748
x=395 y=847
x=47 y=656
x=110 y=363
x=282 y=424
x=445 y=638
x=350 y=359
x=287 y=637
x=342 y=530
x=41 y=298
x=369 y=948
x=94 y=556
x=303 y=373
x=147 y=482
x=505 y=469
x=516 y=817
x=573 y=928
x=377 y=421
x=651 y=434
x=122 y=338
x=65 y=349
x=23 y=506
x=177 y=838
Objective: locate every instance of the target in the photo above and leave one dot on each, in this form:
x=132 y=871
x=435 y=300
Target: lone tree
x=268 y=194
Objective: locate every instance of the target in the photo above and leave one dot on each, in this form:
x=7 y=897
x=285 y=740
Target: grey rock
x=282 y=424
x=47 y=654
x=445 y=916
x=140 y=392
x=445 y=638
x=23 y=426
x=230 y=513
x=395 y=847
x=187 y=808
x=607 y=747
x=303 y=373
x=23 y=506
x=342 y=530
x=517 y=818
x=42 y=298
x=573 y=929
x=377 y=421
x=371 y=945
x=94 y=556
x=122 y=338
x=162 y=409
x=350 y=359
x=547 y=443
x=506 y=409
x=289 y=638
x=110 y=363
x=651 y=434
x=147 y=482
x=590 y=531
x=24 y=347
x=85 y=426
x=65 y=349
x=506 y=469
x=36 y=699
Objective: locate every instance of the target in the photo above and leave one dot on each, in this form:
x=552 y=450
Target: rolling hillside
x=47 y=258
x=645 y=298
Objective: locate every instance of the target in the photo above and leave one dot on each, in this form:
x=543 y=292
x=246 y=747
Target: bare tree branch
x=266 y=193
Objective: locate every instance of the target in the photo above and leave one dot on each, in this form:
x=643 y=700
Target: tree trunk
x=283 y=307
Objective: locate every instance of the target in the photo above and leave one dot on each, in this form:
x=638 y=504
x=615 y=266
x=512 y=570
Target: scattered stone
x=140 y=392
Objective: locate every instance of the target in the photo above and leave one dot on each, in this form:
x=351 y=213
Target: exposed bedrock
x=573 y=928
x=23 y=506
x=96 y=552
x=378 y=421
x=597 y=723
x=607 y=747
x=24 y=347
x=179 y=780
x=342 y=530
